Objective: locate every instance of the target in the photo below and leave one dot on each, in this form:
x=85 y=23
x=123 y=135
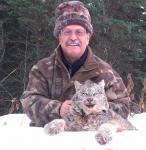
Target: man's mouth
x=73 y=45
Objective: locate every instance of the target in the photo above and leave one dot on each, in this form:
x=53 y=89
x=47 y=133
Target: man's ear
x=89 y=36
x=59 y=38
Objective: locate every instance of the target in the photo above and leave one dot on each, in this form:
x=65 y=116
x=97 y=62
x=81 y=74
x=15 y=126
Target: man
x=51 y=80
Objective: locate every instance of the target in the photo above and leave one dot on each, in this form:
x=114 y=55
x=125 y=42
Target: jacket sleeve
x=35 y=101
x=117 y=94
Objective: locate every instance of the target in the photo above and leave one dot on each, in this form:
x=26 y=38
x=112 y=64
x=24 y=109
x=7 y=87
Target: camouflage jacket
x=50 y=85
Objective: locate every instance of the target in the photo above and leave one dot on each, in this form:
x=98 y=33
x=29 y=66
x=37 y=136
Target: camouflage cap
x=72 y=12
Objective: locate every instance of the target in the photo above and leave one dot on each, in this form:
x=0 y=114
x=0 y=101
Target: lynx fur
x=90 y=112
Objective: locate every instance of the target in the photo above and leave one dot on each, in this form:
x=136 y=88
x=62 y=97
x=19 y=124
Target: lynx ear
x=102 y=83
x=77 y=85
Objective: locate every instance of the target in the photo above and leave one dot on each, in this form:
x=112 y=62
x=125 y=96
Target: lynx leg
x=103 y=136
x=105 y=132
x=54 y=127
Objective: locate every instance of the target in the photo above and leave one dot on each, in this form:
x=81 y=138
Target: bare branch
x=5 y=78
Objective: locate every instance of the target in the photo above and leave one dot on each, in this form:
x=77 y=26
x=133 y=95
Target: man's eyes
x=67 y=32
x=70 y=32
x=78 y=32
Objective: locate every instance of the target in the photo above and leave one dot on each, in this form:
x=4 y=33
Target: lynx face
x=90 y=97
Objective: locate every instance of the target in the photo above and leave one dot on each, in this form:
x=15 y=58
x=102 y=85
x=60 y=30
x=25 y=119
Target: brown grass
x=141 y=105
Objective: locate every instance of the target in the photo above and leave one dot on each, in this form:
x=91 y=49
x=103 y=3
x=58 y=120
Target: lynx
x=90 y=112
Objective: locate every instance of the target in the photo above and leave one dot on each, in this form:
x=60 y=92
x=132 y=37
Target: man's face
x=73 y=40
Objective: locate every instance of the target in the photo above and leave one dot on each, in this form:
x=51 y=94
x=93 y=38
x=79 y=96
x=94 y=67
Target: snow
x=15 y=133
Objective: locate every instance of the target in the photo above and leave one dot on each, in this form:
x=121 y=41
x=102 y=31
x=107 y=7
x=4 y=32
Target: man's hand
x=65 y=107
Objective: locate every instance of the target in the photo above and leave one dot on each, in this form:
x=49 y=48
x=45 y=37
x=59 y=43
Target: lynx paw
x=103 y=137
x=54 y=127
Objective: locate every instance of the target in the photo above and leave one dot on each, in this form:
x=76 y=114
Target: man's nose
x=73 y=36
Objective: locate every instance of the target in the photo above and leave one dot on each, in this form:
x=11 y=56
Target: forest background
x=26 y=35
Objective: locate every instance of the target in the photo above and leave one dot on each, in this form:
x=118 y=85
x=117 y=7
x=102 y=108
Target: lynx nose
x=90 y=100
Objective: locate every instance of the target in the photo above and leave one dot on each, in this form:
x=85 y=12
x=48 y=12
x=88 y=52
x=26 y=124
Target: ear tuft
x=102 y=83
x=77 y=85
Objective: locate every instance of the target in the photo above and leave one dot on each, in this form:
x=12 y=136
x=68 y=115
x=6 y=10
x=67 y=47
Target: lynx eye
x=84 y=93
x=94 y=94
x=100 y=92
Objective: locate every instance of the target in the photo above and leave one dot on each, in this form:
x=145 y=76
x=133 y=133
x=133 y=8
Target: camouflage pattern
x=72 y=12
x=50 y=85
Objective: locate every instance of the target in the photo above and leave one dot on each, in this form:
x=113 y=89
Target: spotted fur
x=90 y=112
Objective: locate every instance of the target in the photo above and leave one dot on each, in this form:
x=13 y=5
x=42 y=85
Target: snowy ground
x=15 y=134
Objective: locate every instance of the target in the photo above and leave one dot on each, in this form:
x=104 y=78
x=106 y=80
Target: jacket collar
x=74 y=67
x=89 y=64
